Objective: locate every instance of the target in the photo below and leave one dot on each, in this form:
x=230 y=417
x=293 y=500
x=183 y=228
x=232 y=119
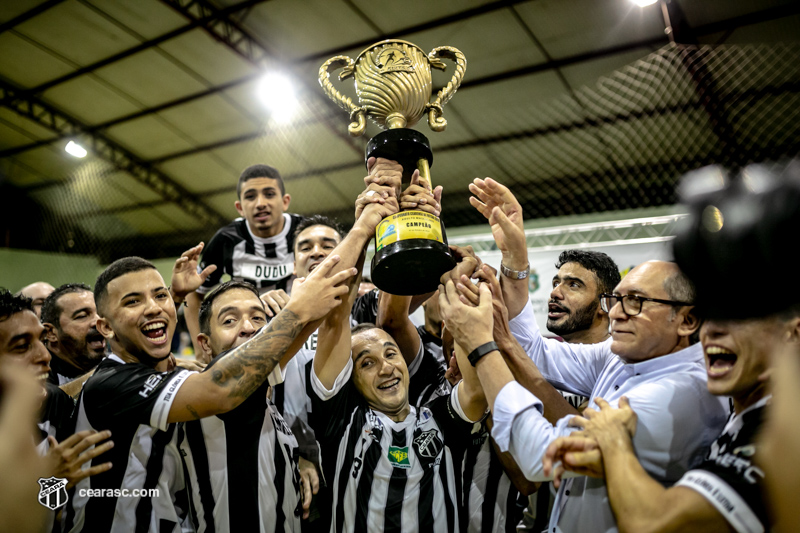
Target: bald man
x=37 y=292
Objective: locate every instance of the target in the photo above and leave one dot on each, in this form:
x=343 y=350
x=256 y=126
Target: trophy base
x=411 y=253
x=411 y=267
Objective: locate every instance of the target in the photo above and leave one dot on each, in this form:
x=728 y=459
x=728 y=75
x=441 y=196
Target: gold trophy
x=394 y=89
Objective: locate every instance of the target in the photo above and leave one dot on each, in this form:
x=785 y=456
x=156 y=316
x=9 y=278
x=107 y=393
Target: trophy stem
x=424 y=170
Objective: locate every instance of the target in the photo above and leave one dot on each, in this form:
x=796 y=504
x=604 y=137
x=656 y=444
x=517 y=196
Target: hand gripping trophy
x=394 y=89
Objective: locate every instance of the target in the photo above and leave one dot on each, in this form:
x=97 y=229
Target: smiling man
x=70 y=317
x=257 y=247
x=136 y=394
x=250 y=447
x=722 y=493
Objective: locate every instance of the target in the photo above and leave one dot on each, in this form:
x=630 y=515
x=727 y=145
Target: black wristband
x=476 y=354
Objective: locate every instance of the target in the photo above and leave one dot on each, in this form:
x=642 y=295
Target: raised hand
x=470 y=325
x=185 y=278
x=504 y=213
x=315 y=296
x=66 y=459
x=467 y=264
x=418 y=195
x=274 y=301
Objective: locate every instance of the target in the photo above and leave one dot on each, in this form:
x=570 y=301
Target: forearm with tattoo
x=244 y=369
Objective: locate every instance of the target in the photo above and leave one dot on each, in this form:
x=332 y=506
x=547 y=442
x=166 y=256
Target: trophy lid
x=388 y=41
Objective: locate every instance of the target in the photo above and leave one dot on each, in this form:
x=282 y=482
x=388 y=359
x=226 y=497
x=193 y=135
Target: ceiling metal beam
x=50 y=117
x=29 y=14
x=204 y=21
x=706 y=29
x=234 y=36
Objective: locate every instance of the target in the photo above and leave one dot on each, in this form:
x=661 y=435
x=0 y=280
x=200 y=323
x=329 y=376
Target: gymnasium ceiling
x=165 y=96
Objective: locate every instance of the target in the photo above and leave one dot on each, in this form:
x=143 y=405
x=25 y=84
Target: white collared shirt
x=677 y=416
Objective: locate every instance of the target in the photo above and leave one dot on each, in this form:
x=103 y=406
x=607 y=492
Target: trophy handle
x=435 y=119
x=357 y=114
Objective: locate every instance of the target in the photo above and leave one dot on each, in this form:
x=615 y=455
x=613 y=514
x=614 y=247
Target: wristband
x=515 y=274
x=476 y=354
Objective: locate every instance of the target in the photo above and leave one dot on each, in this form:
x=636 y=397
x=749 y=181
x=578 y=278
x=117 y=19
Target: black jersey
x=386 y=475
x=267 y=263
x=728 y=478
x=62 y=372
x=491 y=502
x=56 y=416
x=241 y=468
x=133 y=401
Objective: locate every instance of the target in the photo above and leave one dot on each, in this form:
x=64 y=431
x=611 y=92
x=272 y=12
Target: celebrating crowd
x=312 y=405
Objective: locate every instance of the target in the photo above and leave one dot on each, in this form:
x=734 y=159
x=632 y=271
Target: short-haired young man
x=241 y=465
x=69 y=316
x=136 y=394
x=257 y=247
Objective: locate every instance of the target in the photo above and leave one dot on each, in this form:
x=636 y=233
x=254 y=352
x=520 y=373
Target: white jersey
x=241 y=469
x=386 y=475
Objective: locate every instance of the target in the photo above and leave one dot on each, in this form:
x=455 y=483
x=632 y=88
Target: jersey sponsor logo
x=267 y=272
x=398 y=457
x=311 y=342
x=737 y=459
x=52 y=492
x=150 y=384
x=428 y=444
x=280 y=423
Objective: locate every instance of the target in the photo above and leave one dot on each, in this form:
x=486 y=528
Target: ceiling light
x=278 y=95
x=642 y=3
x=75 y=149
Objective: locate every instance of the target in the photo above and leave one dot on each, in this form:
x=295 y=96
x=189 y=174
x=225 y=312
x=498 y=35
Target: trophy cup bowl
x=394 y=88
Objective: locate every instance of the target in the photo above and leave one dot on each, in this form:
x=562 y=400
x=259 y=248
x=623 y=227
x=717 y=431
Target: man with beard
x=250 y=447
x=136 y=394
x=574 y=312
x=70 y=317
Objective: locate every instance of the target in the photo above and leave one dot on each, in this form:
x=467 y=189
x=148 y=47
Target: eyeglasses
x=631 y=304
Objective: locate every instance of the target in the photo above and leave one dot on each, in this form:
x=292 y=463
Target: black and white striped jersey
x=56 y=418
x=241 y=469
x=133 y=401
x=491 y=501
x=386 y=475
x=267 y=263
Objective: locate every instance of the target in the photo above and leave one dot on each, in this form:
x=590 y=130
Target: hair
x=11 y=304
x=259 y=171
x=600 y=264
x=51 y=311
x=205 y=307
x=317 y=220
x=118 y=268
x=680 y=288
x=364 y=326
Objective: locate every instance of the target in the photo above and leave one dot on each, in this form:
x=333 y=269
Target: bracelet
x=476 y=354
x=515 y=274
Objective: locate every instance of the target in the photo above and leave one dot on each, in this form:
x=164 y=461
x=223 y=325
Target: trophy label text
x=408 y=225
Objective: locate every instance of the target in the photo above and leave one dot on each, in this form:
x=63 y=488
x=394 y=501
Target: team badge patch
x=399 y=457
x=52 y=492
x=428 y=444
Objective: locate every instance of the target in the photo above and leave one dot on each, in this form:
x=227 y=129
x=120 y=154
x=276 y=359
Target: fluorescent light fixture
x=642 y=3
x=75 y=149
x=278 y=95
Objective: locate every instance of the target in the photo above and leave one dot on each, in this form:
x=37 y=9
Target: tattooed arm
x=239 y=373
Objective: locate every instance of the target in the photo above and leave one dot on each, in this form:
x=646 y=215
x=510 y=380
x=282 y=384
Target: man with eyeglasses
x=649 y=359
